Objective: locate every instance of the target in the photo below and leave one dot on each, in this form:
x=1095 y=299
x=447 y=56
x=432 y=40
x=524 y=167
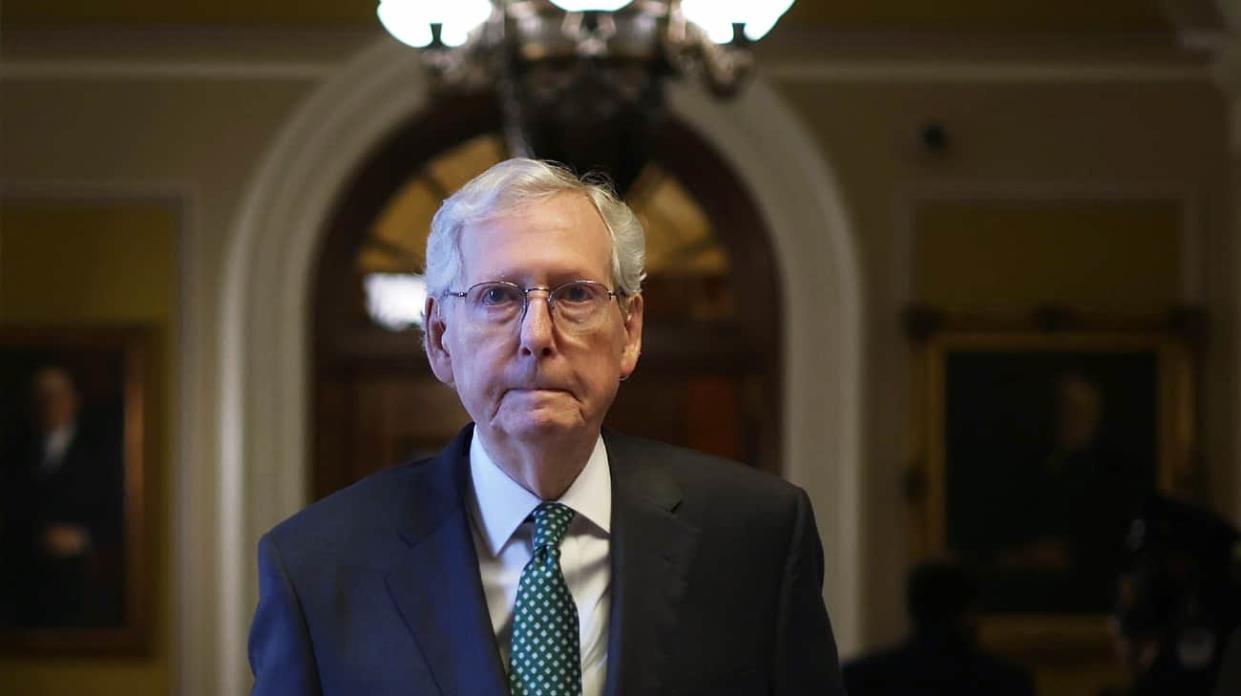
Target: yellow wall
x=1012 y=256
x=72 y=263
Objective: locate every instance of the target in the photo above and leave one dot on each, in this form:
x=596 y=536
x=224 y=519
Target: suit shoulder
x=702 y=473
x=360 y=508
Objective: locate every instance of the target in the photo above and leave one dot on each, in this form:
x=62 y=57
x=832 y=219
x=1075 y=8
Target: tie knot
x=551 y=521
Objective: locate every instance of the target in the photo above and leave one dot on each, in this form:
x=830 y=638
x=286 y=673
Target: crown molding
x=793 y=54
x=184 y=45
x=797 y=55
x=800 y=45
x=981 y=71
x=139 y=70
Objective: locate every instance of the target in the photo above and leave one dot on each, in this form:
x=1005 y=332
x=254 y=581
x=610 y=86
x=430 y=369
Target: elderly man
x=537 y=554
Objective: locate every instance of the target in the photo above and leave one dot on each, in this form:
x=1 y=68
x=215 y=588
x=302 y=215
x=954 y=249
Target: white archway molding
x=265 y=311
x=802 y=204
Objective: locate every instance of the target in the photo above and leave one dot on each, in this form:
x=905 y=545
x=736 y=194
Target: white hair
x=513 y=183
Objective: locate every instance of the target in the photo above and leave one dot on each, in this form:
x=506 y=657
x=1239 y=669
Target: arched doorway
x=710 y=375
x=258 y=363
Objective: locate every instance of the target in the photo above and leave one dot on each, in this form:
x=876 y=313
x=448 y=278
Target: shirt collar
x=501 y=504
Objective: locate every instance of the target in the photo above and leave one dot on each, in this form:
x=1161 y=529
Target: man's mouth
x=531 y=390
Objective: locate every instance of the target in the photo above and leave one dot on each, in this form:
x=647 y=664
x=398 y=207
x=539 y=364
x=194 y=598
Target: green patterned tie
x=545 y=657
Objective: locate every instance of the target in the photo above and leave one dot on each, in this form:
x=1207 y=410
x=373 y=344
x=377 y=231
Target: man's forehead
x=547 y=209
x=560 y=221
x=53 y=379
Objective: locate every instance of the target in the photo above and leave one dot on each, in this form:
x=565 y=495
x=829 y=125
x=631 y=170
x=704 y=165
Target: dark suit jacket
x=716 y=577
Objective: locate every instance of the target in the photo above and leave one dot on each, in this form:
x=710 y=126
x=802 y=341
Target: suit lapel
x=436 y=585
x=651 y=551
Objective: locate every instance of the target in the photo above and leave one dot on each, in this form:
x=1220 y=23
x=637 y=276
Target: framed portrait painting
x=1037 y=449
x=72 y=426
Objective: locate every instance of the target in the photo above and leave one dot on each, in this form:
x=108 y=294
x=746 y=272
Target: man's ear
x=434 y=329
x=633 y=337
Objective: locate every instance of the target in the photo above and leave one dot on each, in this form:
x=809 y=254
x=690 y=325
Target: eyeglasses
x=578 y=305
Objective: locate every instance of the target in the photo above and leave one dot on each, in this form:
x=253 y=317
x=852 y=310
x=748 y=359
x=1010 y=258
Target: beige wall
x=66 y=263
x=77 y=156
x=1044 y=141
x=196 y=132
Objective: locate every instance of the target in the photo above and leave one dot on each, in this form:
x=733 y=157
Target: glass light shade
x=409 y=21
x=590 y=5
x=717 y=17
x=395 y=300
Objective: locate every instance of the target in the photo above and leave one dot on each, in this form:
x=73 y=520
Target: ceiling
x=1018 y=16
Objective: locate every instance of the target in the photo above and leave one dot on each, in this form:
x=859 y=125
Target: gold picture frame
x=1034 y=442
x=73 y=537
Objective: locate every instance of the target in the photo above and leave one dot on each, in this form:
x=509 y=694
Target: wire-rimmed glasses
x=578 y=305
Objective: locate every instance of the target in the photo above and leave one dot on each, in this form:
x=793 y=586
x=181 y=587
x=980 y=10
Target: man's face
x=55 y=399
x=530 y=380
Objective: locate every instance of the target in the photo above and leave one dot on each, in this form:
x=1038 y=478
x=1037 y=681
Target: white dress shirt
x=55 y=447
x=503 y=539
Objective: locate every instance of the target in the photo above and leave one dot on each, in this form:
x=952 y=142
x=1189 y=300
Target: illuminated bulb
x=763 y=16
x=717 y=17
x=452 y=36
x=403 y=21
x=590 y=5
x=409 y=21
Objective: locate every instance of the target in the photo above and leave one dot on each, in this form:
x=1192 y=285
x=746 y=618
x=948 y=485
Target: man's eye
x=497 y=296
x=575 y=293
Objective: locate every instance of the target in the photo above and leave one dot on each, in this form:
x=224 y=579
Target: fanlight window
x=683 y=252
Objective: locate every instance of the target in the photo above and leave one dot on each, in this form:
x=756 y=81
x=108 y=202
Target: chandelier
x=581 y=81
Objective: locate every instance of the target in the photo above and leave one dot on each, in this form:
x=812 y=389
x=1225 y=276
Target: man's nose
x=537 y=331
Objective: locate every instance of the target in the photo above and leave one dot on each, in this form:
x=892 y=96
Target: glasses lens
x=494 y=302
x=577 y=306
x=581 y=302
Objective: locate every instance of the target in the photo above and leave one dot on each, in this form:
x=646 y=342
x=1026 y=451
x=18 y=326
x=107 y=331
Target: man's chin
x=542 y=424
